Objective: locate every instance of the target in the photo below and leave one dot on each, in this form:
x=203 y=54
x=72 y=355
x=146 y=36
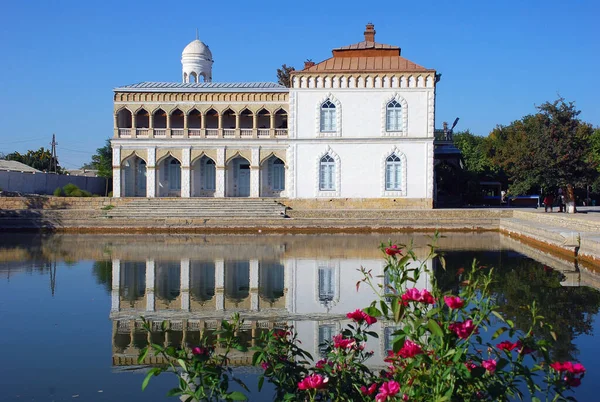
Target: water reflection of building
x=194 y=295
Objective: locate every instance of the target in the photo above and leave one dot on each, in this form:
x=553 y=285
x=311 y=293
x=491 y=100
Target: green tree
x=102 y=162
x=41 y=160
x=547 y=150
x=283 y=75
x=472 y=148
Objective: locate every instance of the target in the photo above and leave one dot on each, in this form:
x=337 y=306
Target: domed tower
x=196 y=61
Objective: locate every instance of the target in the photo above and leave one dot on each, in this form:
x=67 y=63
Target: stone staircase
x=198 y=208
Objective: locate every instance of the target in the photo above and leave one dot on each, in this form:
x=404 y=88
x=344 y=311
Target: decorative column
x=254 y=285
x=168 y=125
x=116 y=126
x=237 y=125
x=150 y=272
x=151 y=125
x=272 y=128
x=220 y=125
x=185 y=284
x=254 y=125
x=220 y=172
x=219 y=284
x=255 y=173
x=151 y=173
x=133 y=125
x=116 y=166
x=115 y=304
x=203 y=125
x=185 y=125
x=185 y=172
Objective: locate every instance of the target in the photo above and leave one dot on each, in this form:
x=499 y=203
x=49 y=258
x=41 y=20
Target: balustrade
x=194 y=132
x=264 y=133
x=212 y=133
x=177 y=132
x=160 y=132
x=124 y=133
x=228 y=133
x=141 y=132
x=281 y=133
x=245 y=132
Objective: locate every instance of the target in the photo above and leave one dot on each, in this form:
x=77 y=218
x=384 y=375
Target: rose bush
x=443 y=349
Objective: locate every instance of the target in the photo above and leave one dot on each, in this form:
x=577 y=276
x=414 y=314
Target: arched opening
x=246 y=119
x=263 y=119
x=212 y=119
x=237 y=280
x=160 y=119
x=393 y=120
x=328 y=116
x=327 y=173
x=133 y=177
x=201 y=77
x=272 y=175
x=237 y=177
x=202 y=281
x=281 y=119
x=132 y=283
x=168 y=177
x=393 y=173
x=203 y=177
x=142 y=119
x=195 y=119
x=176 y=119
x=167 y=284
x=271 y=282
x=193 y=77
x=124 y=118
x=228 y=119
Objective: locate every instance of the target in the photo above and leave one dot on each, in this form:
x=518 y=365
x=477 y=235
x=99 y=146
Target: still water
x=70 y=304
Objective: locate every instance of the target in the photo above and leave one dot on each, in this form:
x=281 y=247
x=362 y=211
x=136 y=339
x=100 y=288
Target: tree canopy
x=283 y=75
x=547 y=150
x=41 y=160
x=102 y=161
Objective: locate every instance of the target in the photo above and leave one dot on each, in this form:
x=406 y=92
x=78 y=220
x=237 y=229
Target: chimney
x=308 y=64
x=370 y=33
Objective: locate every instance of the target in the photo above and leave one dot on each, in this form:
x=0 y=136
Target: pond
x=70 y=304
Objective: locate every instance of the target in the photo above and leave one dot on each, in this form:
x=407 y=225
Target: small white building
x=359 y=125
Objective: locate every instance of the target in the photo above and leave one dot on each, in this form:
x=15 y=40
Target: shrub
x=58 y=192
x=110 y=194
x=438 y=353
x=68 y=189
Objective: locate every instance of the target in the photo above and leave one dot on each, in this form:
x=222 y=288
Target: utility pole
x=53 y=144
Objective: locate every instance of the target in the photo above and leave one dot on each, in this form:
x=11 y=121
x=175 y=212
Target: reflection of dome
x=197 y=48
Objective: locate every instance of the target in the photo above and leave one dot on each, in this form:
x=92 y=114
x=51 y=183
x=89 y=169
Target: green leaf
x=372 y=311
x=143 y=354
x=174 y=392
x=182 y=364
x=384 y=307
x=435 y=328
x=236 y=396
x=261 y=381
x=499 y=332
x=151 y=373
x=499 y=316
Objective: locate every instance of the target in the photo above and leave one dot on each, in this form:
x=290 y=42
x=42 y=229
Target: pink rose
x=410 y=349
x=315 y=381
x=414 y=294
x=393 y=250
x=489 y=365
x=368 y=391
x=454 y=302
x=359 y=316
x=387 y=389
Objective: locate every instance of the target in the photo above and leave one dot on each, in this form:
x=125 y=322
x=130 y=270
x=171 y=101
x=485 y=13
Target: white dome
x=197 y=48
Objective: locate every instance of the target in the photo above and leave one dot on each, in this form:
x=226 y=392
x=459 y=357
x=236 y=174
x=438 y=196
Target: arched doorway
x=133 y=177
x=272 y=175
x=203 y=177
x=237 y=280
x=168 y=177
x=202 y=281
x=271 y=282
x=238 y=177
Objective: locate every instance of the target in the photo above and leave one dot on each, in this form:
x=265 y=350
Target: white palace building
x=359 y=125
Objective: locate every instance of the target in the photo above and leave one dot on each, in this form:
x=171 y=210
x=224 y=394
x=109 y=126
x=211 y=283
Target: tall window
x=394 y=116
x=174 y=175
x=328 y=117
x=209 y=174
x=277 y=174
x=326 y=332
x=327 y=174
x=326 y=284
x=393 y=170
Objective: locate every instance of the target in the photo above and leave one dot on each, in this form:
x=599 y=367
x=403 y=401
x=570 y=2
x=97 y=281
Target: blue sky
x=61 y=59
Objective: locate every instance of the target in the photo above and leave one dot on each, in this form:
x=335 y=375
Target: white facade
x=357 y=125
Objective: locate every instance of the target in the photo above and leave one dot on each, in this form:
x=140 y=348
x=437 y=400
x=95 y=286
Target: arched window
x=140 y=177
x=209 y=174
x=174 y=175
x=328 y=117
x=393 y=171
x=277 y=174
x=394 y=116
x=327 y=173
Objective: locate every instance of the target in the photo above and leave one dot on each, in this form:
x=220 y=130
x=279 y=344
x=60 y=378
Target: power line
x=75 y=150
x=21 y=141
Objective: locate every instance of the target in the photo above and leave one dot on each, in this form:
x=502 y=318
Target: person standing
x=548 y=201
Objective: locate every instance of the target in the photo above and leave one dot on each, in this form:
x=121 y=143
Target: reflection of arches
x=202 y=280
x=133 y=177
x=272 y=177
x=203 y=173
x=271 y=281
x=237 y=280
x=132 y=282
x=168 y=280
x=237 y=177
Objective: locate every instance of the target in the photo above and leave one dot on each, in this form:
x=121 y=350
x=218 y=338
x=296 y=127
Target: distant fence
x=46 y=183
